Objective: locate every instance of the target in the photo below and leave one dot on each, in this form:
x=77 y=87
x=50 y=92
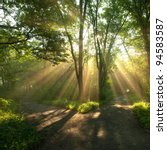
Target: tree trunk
x=147 y=48
x=82 y=19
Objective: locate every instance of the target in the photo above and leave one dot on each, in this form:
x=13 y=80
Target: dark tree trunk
x=146 y=45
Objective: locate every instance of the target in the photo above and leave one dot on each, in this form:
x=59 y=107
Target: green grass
x=142 y=112
x=15 y=133
x=73 y=105
x=58 y=103
x=87 y=107
x=64 y=103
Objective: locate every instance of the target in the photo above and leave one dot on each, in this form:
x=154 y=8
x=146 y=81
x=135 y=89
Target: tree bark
x=83 y=6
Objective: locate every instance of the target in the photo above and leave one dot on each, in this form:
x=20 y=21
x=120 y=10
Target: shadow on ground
x=109 y=128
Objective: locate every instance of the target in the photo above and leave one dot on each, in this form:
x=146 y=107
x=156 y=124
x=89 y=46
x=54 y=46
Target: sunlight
x=67 y=86
x=96 y=115
x=51 y=119
x=123 y=106
x=44 y=78
x=120 y=84
x=122 y=74
x=101 y=132
x=131 y=83
x=90 y=78
x=70 y=71
x=59 y=82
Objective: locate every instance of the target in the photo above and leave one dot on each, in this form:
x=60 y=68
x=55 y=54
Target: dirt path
x=109 y=128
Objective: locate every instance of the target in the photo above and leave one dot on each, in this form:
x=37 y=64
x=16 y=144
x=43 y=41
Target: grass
x=87 y=107
x=64 y=103
x=73 y=105
x=142 y=112
x=58 y=103
x=15 y=133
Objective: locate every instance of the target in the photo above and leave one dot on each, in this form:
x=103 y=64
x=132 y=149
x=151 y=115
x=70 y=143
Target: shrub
x=72 y=105
x=142 y=112
x=15 y=133
x=8 y=105
x=88 y=106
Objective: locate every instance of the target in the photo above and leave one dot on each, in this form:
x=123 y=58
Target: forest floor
x=111 y=127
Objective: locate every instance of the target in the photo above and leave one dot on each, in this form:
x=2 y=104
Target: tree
x=78 y=61
x=33 y=26
x=83 y=8
x=106 y=26
x=41 y=30
x=140 y=13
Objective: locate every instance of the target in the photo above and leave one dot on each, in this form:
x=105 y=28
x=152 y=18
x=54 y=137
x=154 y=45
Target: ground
x=111 y=127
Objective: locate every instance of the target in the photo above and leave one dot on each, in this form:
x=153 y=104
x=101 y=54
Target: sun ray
x=67 y=85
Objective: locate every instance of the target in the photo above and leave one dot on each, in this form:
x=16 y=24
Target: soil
x=111 y=127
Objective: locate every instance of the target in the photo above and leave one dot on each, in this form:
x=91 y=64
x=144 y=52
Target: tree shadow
x=109 y=128
x=48 y=121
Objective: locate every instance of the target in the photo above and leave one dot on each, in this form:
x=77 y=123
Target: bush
x=142 y=112
x=8 y=105
x=86 y=107
x=72 y=105
x=15 y=133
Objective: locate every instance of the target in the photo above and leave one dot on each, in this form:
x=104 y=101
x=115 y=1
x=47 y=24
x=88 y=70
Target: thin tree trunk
x=83 y=6
x=146 y=45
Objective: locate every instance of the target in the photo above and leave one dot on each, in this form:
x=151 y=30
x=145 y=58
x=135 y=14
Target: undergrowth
x=142 y=112
x=15 y=133
x=74 y=105
x=88 y=106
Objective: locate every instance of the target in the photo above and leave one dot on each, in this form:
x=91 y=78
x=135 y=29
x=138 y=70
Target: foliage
x=72 y=105
x=34 y=27
x=15 y=133
x=88 y=106
x=64 y=103
x=142 y=112
x=8 y=105
x=43 y=29
x=136 y=70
